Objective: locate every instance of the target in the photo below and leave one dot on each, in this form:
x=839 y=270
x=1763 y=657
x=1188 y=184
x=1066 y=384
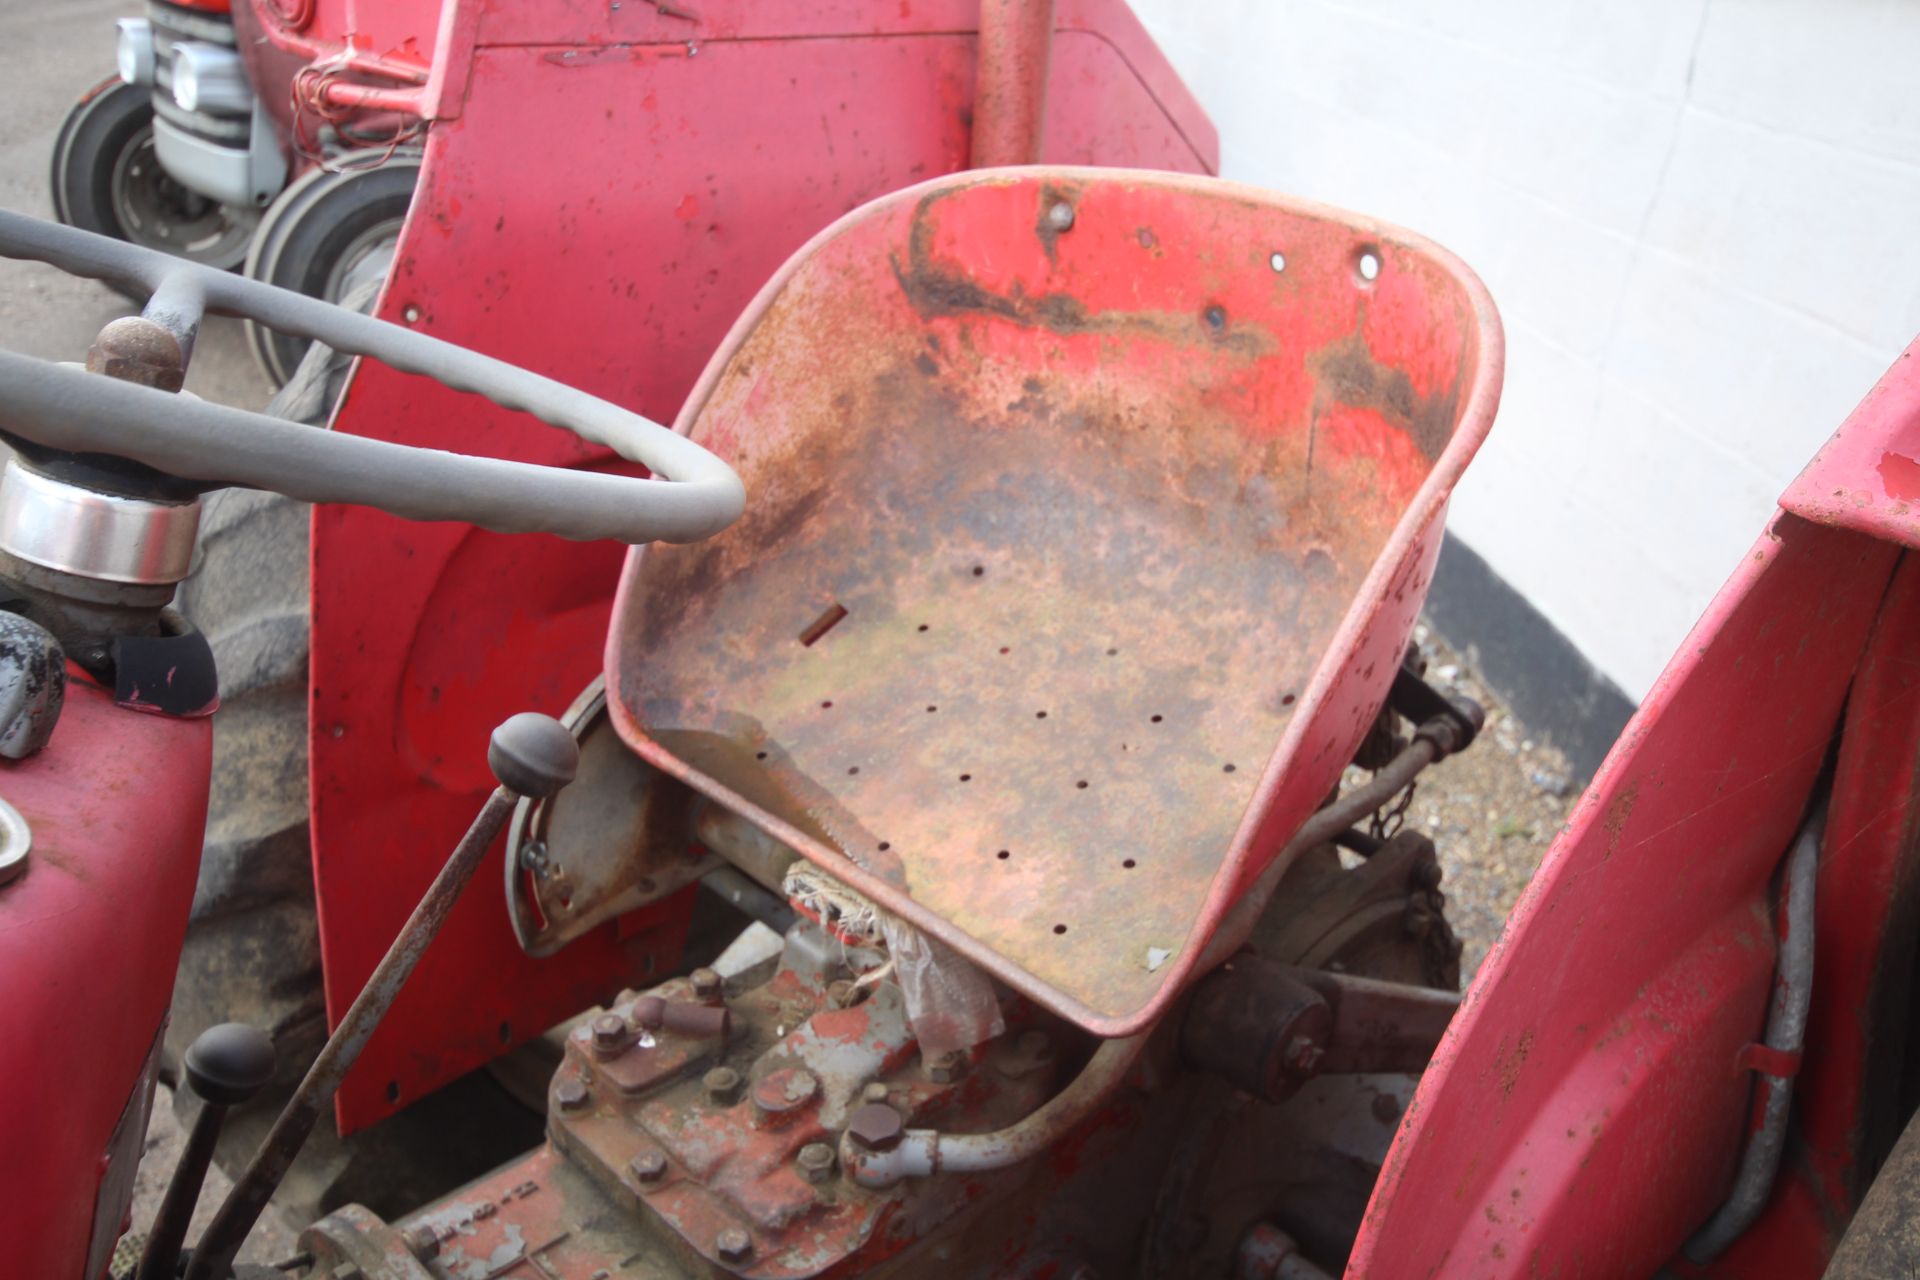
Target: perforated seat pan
x=1130 y=514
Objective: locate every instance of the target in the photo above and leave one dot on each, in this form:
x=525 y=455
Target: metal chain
x=1386 y=822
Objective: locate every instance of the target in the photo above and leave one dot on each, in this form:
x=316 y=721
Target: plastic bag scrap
x=950 y=1003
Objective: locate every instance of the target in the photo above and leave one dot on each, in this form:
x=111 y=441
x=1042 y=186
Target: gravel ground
x=1491 y=811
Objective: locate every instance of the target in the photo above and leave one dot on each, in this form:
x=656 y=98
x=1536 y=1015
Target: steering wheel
x=692 y=494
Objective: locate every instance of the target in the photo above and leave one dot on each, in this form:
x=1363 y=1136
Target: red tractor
x=254 y=137
x=1029 y=562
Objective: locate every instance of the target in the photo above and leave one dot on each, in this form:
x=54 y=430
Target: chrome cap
x=94 y=535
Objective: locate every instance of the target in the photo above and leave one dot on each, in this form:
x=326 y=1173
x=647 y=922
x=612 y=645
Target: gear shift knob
x=533 y=755
x=228 y=1064
x=225 y=1065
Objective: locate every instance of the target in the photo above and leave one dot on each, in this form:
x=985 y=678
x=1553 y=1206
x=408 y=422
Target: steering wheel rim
x=692 y=495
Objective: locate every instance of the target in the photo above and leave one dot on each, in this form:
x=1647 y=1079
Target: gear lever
x=225 y=1066
x=533 y=756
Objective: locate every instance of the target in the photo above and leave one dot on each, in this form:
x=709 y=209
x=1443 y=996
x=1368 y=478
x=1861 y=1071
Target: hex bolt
x=1060 y=216
x=422 y=1241
x=733 y=1245
x=721 y=1086
x=781 y=1093
x=570 y=1093
x=945 y=1068
x=875 y=1127
x=610 y=1035
x=649 y=1166
x=815 y=1162
x=707 y=985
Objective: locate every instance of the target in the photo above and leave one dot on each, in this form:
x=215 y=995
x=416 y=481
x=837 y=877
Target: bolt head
x=733 y=1245
x=721 y=1086
x=422 y=1241
x=946 y=1068
x=785 y=1090
x=610 y=1034
x=815 y=1162
x=707 y=985
x=570 y=1093
x=649 y=1166
x=1060 y=216
x=875 y=1127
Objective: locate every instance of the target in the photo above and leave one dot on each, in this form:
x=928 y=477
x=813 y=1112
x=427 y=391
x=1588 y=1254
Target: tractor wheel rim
x=158 y=212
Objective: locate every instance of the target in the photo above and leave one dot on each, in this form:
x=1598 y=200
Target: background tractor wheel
x=107 y=179
x=327 y=236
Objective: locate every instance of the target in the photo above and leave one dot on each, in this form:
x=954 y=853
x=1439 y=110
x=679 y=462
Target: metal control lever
x=225 y=1066
x=533 y=756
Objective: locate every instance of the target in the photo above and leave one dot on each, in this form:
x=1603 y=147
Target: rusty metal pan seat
x=1089 y=514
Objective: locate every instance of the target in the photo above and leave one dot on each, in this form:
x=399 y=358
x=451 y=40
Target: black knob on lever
x=225 y=1066
x=533 y=755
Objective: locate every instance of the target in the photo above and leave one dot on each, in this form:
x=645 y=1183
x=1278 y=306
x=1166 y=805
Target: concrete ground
x=1492 y=811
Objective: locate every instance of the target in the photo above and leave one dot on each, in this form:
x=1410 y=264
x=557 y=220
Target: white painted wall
x=1700 y=220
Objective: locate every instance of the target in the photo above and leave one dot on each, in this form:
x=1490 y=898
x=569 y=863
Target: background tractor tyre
x=107 y=179
x=326 y=236
x=252 y=950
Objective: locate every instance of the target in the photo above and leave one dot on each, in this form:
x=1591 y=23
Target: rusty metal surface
x=702 y=1169
x=1010 y=82
x=1113 y=508
x=1385 y=918
x=1255 y=1023
x=617 y=840
x=1379 y=1026
x=645 y=1119
x=536 y=1219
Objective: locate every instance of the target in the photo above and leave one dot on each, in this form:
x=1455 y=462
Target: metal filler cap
x=15 y=839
